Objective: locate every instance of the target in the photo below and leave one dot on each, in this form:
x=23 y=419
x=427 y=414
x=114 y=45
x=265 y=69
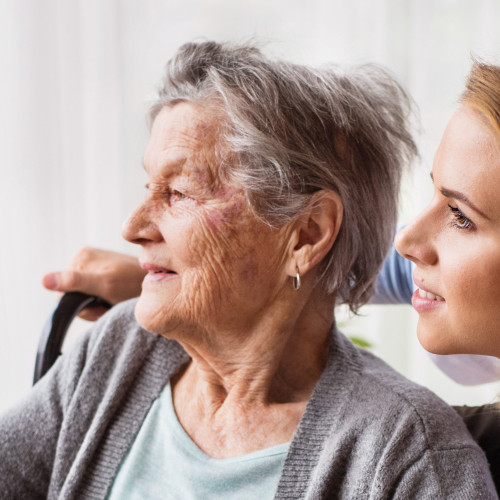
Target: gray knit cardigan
x=366 y=433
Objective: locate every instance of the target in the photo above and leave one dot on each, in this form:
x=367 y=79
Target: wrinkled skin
x=225 y=266
x=220 y=282
x=455 y=241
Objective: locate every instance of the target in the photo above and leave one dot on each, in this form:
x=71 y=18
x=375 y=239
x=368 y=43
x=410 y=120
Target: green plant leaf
x=360 y=342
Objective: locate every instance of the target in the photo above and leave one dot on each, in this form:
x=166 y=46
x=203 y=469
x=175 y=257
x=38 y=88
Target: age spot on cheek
x=227 y=217
x=216 y=220
x=249 y=272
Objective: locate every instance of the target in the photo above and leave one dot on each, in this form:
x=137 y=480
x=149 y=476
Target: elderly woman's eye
x=460 y=220
x=174 y=194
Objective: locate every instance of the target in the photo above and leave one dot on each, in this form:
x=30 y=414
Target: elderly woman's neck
x=238 y=397
x=278 y=361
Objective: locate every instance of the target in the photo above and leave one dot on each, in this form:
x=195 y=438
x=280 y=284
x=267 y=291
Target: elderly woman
x=271 y=195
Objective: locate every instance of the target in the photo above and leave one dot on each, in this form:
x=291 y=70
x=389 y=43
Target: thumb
x=69 y=281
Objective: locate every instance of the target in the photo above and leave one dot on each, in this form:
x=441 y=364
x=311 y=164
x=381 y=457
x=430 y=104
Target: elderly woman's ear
x=315 y=232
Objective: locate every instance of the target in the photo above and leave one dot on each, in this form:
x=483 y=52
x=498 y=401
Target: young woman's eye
x=460 y=220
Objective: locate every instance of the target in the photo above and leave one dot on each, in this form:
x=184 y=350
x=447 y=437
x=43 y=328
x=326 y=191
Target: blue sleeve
x=394 y=283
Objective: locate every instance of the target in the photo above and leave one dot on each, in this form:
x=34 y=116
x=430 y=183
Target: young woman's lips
x=423 y=301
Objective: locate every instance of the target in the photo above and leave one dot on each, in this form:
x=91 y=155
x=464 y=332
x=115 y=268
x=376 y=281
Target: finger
x=69 y=281
x=51 y=281
x=92 y=313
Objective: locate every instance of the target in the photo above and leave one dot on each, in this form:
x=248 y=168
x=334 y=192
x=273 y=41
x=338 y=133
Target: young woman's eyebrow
x=450 y=193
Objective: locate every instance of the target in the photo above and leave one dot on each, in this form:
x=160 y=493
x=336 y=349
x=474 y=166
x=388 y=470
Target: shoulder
x=483 y=422
x=392 y=412
x=119 y=320
x=393 y=436
x=401 y=400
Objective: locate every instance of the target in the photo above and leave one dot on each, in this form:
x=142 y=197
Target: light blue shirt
x=394 y=283
x=164 y=463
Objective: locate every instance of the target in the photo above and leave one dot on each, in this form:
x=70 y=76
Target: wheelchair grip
x=54 y=331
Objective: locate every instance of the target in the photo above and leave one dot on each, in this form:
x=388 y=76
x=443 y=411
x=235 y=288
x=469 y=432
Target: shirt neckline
x=190 y=446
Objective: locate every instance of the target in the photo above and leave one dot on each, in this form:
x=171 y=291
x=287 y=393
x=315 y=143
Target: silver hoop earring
x=296 y=279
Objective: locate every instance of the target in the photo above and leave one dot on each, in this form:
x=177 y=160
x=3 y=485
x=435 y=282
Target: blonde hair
x=482 y=91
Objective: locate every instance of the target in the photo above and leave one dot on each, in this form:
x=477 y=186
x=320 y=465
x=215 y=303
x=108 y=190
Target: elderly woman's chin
x=156 y=312
x=168 y=308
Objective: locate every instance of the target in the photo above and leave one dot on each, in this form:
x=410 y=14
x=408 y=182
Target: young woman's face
x=455 y=242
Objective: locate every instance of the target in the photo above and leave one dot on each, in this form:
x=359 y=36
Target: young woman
x=455 y=244
x=455 y=241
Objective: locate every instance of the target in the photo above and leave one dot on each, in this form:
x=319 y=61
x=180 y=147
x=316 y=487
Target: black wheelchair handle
x=54 y=331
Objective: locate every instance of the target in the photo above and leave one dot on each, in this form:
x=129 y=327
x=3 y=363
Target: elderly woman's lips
x=159 y=275
x=156 y=273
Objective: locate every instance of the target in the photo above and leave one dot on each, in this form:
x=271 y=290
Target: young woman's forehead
x=468 y=160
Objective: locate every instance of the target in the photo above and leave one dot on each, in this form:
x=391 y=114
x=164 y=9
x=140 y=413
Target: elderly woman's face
x=210 y=262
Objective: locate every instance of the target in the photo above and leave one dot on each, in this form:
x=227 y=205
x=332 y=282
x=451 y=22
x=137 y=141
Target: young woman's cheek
x=472 y=277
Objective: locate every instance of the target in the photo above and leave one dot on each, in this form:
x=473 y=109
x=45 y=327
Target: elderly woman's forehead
x=193 y=122
x=183 y=137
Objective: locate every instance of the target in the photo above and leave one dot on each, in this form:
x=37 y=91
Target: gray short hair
x=293 y=130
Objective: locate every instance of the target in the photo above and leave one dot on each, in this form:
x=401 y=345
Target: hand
x=113 y=276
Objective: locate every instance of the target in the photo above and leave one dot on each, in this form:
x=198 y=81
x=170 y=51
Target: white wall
x=75 y=80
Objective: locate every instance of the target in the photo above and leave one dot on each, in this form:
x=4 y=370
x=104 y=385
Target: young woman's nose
x=140 y=227
x=415 y=241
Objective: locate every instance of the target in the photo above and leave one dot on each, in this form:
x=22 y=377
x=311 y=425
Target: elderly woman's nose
x=414 y=241
x=139 y=227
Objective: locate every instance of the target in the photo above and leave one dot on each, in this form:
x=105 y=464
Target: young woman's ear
x=316 y=231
